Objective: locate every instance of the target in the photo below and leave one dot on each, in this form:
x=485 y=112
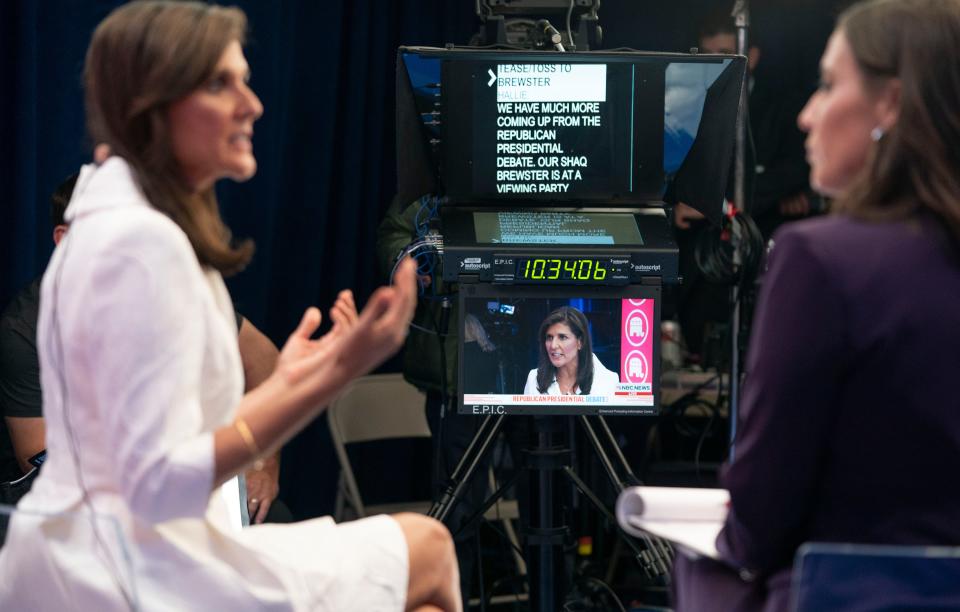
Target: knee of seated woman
x=425 y=530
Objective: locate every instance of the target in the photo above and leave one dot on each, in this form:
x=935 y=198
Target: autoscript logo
x=647 y=267
x=487 y=409
x=474 y=263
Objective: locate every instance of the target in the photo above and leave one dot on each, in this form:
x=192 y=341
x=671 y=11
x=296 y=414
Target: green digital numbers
x=563 y=270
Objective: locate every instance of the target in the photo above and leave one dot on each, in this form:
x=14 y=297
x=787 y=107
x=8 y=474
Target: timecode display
x=561 y=270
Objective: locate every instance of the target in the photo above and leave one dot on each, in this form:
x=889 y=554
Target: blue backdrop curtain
x=325 y=73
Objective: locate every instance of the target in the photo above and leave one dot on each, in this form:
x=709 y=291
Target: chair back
x=383 y=407
x=872 y=578
x=378 y=407
x=374 y=407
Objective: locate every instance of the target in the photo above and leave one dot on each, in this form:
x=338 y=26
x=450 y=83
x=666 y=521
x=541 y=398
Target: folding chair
x=374 y=407
x=385 y=407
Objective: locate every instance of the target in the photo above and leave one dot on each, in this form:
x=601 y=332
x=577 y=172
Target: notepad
x=689 y=518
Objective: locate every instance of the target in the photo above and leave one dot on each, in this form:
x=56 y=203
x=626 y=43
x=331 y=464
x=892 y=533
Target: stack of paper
x=690 y=518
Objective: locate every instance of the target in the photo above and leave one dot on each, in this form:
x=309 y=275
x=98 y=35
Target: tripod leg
x=651 y=560
x=656 y=557
x=466 y=467
x=631 y=479
x=480 y=512
x=601 y=454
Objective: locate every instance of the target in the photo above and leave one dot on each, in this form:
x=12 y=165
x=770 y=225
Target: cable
x=504 y=536
x=676 y=411
x=517 y=578
x=700 y=441
x=606 y=587
x=444 y=395
x=424 y=250
x=692 y=393
x=731 y=253
x=569 y=29
x=431 y=242
x=102 y=550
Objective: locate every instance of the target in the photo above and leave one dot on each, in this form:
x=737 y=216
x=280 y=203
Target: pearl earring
x=876 y=133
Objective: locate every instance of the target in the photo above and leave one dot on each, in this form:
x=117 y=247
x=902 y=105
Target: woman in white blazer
x=567 y=365
x=141 y=375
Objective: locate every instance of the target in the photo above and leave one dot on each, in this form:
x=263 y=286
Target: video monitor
x=541 y=129
x=559 y=350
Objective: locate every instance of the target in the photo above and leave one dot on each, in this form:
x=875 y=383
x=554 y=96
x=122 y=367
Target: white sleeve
x=144 y=345
x=531 y=387
x=604 y=380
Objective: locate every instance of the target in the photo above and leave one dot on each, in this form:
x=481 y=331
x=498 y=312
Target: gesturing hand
x=300 y=345
x=343 y=313
x=383 y=325
x=357 y=343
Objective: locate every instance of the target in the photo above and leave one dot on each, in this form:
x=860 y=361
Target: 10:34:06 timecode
x=561 y=269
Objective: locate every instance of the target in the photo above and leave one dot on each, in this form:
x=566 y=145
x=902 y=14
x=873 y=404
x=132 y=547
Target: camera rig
x=550 y=171
x=530 y=24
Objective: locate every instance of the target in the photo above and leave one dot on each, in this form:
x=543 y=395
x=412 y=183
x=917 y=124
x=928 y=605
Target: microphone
x=552 y=34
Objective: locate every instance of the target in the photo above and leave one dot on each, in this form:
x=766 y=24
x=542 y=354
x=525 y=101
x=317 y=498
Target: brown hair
x=144 y=56
x=60 y=198
x=915 y=166
x=577 y=322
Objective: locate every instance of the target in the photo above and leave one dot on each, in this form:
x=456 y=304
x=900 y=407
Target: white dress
x=604 y=382
x=153 y=368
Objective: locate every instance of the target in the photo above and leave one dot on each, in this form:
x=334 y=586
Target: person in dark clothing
x=848 y=410
x=21 y=403
x=777 y=187
x=480 y=352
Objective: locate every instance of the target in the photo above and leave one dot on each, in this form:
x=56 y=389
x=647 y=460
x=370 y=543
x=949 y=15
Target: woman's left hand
x=263 y=486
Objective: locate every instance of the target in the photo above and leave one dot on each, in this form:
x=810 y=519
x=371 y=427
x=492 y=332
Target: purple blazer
x=850 y=421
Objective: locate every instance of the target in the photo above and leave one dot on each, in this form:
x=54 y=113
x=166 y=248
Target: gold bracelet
x=244 y=430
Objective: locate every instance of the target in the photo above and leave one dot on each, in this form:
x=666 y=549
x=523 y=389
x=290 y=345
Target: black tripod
x=550 y=458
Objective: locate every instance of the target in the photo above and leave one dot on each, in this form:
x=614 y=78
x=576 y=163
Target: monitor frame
x=702 y=137
x=489 y=292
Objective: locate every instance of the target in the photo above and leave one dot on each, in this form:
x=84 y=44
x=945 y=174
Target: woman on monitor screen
x=567 y=365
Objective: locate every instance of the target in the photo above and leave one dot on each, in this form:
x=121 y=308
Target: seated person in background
x=258 y=356
x=142 y=378
x=849 y=413
x=776 y=186
x=21 y=403
x=480 y=352
x=567 y=365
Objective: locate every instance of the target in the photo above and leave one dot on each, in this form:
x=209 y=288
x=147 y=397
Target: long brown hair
x=577 y=322
x=915 y=166
x=144 y=56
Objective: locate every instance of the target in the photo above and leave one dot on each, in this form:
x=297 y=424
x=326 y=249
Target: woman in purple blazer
x=850 y=418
